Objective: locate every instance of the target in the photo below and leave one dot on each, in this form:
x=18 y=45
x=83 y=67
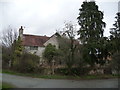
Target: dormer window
x=33 y=47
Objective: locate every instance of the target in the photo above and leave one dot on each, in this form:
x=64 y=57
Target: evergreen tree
x=50 y=53
x=91 y=31
x=18 y=51
x=90 y=20
x=115 y=34
x=115 y=44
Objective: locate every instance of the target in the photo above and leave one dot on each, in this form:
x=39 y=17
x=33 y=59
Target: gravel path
x=29 y=82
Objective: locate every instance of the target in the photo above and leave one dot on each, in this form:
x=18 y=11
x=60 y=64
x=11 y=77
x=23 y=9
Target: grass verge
x=61 y=76
x=6 y=85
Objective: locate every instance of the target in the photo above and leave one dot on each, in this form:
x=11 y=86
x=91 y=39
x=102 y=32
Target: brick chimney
x=21 y=32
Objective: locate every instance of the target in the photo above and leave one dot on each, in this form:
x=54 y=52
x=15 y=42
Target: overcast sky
x=44 y=17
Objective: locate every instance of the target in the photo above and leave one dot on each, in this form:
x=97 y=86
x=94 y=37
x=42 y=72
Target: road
x=29 y=82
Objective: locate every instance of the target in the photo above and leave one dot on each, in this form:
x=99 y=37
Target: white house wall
x=38 y=52
x=53 y=41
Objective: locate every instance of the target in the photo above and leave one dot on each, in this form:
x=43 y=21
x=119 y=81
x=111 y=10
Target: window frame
x=33 y=47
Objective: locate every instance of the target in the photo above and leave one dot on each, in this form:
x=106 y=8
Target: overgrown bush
x=27 y=63
x=115 y=63
x=6 y=56
x=108 y=70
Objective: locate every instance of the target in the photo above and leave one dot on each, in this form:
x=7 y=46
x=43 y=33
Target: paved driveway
x=28 y=82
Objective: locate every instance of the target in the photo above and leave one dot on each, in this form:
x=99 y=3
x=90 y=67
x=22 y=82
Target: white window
x=33 y=47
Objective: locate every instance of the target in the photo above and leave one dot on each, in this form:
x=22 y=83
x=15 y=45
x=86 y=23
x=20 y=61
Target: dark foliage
x=74 y=71
x=115 y=34
x=27 y=63
x=91 y=33
x=115 y=63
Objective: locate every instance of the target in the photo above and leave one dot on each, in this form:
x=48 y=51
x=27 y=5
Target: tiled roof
x=33 y=40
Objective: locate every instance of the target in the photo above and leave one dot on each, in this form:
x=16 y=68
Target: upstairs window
x=33 y=47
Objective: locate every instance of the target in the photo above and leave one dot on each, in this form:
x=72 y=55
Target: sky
x=44 y=17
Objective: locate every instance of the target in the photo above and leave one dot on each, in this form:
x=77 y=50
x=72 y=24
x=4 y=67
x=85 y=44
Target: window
x=33 y=47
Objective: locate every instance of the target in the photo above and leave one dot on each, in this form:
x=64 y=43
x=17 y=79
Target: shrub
x=115 y=63
x=108 y=70
x=27 y=63
x=75 y=71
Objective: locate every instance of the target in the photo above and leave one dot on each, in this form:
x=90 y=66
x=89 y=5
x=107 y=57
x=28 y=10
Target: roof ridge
x=35 y=35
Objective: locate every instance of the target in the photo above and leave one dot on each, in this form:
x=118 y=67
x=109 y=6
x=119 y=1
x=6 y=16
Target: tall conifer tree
x=91 y=31
x=115 y=34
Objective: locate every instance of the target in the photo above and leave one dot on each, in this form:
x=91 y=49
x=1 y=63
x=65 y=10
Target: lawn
x=6 y=85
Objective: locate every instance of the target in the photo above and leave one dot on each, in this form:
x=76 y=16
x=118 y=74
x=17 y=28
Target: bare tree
x=68 y=44
x=70 y=30
x=8 y=37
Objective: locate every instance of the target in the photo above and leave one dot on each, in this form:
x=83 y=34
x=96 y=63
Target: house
x=36 y=44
